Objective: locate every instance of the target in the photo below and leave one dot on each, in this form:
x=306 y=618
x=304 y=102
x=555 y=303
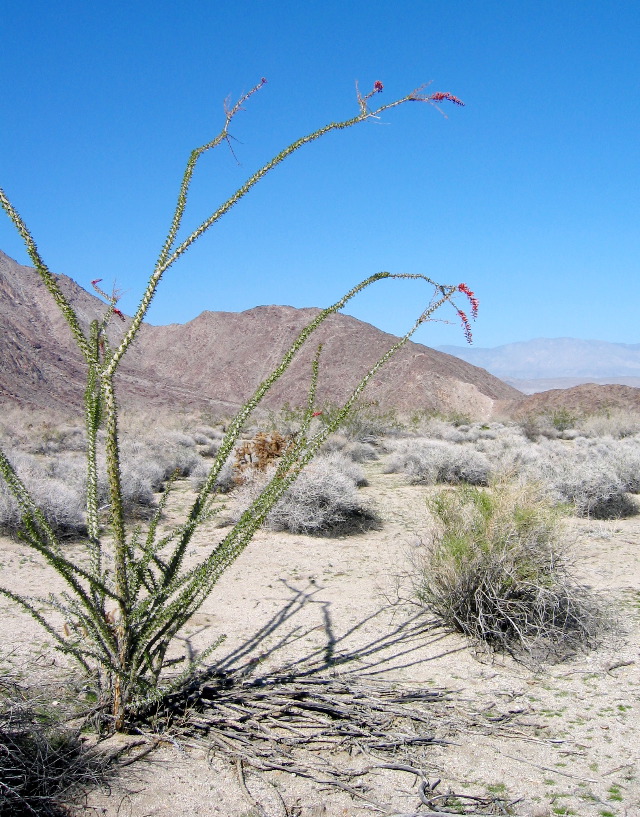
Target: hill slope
x=217 y=359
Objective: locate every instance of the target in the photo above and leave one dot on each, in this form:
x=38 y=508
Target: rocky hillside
x=217 y=359
x=585 y=399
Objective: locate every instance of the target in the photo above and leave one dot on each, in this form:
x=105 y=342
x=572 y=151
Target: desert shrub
x=323 y=501
x=594 y=488
x=51 y=439
x=548 y=424
x=437 y=428
x=336 y=442
x=430 y=462
x=562 y=419
x=202 y=439
x=346 y=465
x=617 y=423
x=356 y=451
x=208 y=432
x=361 y=452
x=62 y=503
x=594 y=476
x=535 y=426
x=209 y=450
x=43 y=765
x=625 y=455
x=161 y=458
x=588 y=474
x=225 y=481
x=365 y=422
x=493 y=568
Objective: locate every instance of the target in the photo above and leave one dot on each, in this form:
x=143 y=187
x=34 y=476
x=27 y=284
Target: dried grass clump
x=493 y=568
x=260 y=452
x=323 y=501
x=43 y=766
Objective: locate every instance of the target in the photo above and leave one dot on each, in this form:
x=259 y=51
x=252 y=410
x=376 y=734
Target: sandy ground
x=560 y=740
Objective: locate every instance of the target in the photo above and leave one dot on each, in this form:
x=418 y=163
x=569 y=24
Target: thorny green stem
x=48 y=277
x=167 y=259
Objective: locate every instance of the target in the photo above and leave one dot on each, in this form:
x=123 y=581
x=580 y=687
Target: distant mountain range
x=556 y=363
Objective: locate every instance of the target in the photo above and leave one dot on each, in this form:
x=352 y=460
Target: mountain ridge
x=216 y=360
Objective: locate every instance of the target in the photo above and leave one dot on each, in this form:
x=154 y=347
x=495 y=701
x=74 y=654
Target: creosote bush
x=130 y=592
x=493 y=568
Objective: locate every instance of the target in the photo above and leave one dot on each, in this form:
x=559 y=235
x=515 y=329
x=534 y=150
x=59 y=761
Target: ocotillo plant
x=125 y=603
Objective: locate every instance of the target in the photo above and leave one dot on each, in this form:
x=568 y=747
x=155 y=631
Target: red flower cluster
x=119 y=314
x=96 y=281
x=472 y=299
x=377 y=86
x=466 y=326
x=439 y=96
x=316 y=414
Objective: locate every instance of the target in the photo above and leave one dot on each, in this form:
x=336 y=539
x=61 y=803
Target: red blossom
x=377 y=86
x=316 y=414
x=96 y=281
x=119 y=314
x=472 y=299
x=440 y=96
x=466 y=326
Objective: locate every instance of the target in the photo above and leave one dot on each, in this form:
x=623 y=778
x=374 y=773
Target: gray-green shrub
x=433 y=461
x=324 y=500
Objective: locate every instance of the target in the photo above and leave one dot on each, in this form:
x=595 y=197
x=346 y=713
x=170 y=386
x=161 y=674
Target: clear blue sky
x=530 y=194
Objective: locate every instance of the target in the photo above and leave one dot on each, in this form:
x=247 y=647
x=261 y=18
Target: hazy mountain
x=216 y=360
x=556 y=362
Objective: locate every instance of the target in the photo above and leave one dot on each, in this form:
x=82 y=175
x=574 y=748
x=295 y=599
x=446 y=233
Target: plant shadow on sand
x=325 y=715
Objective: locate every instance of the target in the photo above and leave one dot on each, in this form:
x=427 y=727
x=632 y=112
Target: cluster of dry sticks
x=42 y=763
x=306 y=725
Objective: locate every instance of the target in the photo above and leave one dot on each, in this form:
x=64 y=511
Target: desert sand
x=560 y=739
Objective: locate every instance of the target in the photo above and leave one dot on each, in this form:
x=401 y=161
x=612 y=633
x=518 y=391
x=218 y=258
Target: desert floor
x=562 y=739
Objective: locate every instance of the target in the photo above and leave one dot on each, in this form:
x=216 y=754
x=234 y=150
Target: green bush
x=494 y=569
